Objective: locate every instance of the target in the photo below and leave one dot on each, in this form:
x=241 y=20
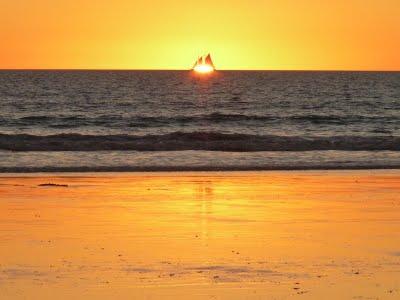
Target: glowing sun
x=203 y=69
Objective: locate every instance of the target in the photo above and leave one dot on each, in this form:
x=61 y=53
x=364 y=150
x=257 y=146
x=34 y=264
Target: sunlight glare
x=203 y=69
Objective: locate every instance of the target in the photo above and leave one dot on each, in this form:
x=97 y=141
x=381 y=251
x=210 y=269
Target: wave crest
x=209 y=141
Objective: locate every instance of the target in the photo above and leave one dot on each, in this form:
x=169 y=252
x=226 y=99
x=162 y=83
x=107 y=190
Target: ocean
x=173 y=120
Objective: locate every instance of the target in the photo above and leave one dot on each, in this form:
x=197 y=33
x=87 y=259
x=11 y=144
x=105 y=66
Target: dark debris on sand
x=52 y=185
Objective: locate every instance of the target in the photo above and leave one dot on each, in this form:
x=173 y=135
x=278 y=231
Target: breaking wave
x=209 y=141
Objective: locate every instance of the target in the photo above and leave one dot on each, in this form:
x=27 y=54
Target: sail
x=198 y=62
x=209 y=61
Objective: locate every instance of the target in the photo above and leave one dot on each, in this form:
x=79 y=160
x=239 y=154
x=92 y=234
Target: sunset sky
x=155 y=34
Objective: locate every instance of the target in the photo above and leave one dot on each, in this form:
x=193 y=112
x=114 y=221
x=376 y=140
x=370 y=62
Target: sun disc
x=203 y=69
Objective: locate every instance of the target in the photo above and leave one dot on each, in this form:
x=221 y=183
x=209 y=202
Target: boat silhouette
x=204 y=61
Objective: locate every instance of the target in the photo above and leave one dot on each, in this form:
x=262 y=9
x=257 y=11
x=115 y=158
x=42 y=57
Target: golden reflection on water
x=140 y=233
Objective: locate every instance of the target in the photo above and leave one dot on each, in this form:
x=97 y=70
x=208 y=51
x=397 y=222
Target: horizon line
x=222 y=70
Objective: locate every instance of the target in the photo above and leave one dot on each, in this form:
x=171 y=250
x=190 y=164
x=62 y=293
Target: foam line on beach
x=192 y=168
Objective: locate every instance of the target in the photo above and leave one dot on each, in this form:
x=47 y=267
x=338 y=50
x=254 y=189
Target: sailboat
x=204 y=64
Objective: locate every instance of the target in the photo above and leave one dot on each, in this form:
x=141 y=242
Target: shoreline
x=190 y=169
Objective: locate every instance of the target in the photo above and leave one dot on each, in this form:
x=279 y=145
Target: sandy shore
x=230 y=235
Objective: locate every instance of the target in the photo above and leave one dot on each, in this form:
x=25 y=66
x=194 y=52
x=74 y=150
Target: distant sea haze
x=172 y=120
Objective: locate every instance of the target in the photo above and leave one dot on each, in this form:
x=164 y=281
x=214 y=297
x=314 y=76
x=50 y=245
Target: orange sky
x=155 y=34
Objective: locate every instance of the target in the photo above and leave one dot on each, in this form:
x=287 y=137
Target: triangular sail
x=208 y=61
x=198 y=62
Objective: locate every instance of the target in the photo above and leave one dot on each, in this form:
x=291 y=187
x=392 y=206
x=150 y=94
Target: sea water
x=175 y=120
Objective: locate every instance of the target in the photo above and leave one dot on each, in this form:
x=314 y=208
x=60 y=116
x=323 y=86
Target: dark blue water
x=263 y=117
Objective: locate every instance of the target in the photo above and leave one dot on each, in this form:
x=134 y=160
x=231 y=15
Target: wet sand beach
x=201 y=235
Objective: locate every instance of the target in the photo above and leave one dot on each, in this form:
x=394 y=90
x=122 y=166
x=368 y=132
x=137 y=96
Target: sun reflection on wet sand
x=230 y=235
